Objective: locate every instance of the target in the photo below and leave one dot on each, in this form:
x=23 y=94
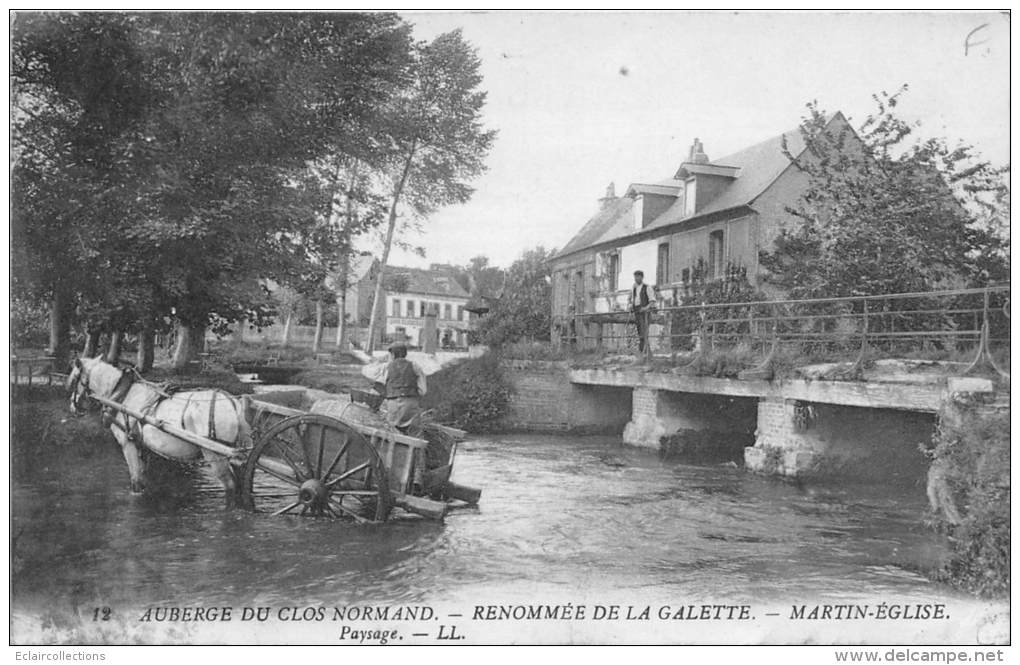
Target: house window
x=614 y=272
x=460 y=312
x=579 y=291
x=423 y=303
x=662 y=267
x=447 y=311
x=410 y=309
x=715 y=254
x=396 y=307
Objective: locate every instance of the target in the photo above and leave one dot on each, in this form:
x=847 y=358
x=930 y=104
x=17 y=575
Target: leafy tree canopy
x=522 y=311
x=884 y=213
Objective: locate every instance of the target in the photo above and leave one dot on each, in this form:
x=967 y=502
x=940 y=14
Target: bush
x=976 y=459
x=473 y=394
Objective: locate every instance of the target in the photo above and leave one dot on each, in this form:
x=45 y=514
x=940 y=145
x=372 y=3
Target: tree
x=522 y=311
x=175 y=156
x=881 y=215
x=270 y=107
x=480 y=279
x=438 y=142
x=79 y=87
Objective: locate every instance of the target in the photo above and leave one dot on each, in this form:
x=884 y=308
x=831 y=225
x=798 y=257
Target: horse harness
x=132 y=426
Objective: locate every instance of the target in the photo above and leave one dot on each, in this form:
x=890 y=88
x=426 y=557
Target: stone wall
x=545 y=400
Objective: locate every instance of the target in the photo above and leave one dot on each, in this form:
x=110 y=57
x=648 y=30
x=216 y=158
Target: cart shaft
x=180 y=433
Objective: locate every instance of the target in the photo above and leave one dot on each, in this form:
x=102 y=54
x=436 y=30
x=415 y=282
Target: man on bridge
x=641 y=301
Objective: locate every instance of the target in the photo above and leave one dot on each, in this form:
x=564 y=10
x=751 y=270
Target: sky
x=582 y=99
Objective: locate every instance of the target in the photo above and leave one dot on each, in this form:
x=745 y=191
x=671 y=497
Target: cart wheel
x=316 y=465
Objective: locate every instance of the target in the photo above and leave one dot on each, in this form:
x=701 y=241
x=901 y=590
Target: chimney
x=697 y=154
x=609 y=197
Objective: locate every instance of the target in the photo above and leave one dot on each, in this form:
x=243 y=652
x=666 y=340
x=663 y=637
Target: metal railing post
x=984 y=353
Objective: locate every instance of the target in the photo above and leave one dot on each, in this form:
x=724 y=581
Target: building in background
x=413 y=292
x=707 y=222
x=408 y=295
x=361 y=274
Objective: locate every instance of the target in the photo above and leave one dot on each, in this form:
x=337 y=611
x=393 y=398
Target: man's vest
x=401 y=379
x=639 y=295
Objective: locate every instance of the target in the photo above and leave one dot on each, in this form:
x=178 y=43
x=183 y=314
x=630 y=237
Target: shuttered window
x=662 y=266
x=715 y=255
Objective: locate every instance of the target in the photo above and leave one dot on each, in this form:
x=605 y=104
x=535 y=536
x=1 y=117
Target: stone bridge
x=796 y=424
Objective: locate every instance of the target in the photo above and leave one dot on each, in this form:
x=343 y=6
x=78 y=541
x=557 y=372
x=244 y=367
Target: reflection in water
x=558 y=515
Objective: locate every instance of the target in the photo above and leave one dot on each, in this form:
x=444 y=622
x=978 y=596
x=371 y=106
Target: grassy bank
x=974 y=455
x=473 y=394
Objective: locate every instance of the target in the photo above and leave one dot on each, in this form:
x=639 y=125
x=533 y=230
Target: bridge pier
x=795 y=438
x=782 y=443
x=659 y=413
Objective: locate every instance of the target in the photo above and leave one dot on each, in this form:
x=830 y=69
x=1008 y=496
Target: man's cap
x=398 y=345
x=639 y=272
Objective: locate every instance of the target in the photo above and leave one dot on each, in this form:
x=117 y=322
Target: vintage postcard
x=373 y=328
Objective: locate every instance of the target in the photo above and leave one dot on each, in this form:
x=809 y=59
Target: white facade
x=405 y=313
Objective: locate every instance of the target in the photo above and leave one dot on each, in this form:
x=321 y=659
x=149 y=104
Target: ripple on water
x=559 y=515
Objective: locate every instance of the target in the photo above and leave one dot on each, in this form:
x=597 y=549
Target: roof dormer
x=650 y=201
x=702 y=180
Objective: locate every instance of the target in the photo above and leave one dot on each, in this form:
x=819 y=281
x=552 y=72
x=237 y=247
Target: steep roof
x=358 y=269
x=429 y=282
x=758 y=166
x=610 y=222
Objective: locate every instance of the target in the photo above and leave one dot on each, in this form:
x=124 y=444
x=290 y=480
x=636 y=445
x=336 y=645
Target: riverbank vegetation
x=473 y=394
x=973 y=454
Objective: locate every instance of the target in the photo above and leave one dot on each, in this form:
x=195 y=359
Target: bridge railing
x=947 y=324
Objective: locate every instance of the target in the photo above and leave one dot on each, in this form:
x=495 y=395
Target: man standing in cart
x=402 y=385
x=641 y=301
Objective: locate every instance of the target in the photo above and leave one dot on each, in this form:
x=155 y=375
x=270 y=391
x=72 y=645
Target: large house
x=713 y=216
x=411 y=293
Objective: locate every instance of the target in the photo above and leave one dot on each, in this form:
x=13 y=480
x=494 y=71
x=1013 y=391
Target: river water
x=562 y=519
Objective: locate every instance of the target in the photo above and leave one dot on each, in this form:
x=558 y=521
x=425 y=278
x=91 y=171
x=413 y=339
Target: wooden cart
x=319 y=464
x=314 y=464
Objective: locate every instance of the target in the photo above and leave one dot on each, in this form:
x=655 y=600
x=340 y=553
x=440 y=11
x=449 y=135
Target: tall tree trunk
x=319 y=315
x=286 y=328
x=60 y=327
x=91 y=343
x=113 y=352
x=146 y=346
x=397 y=193
x=342 y=284
x=341 y=324
x=190 y=341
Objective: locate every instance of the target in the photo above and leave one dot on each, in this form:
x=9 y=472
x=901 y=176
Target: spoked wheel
x=316 y=465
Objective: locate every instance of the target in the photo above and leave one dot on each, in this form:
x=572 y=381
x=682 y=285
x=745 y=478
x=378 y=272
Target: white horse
x=214 y=414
